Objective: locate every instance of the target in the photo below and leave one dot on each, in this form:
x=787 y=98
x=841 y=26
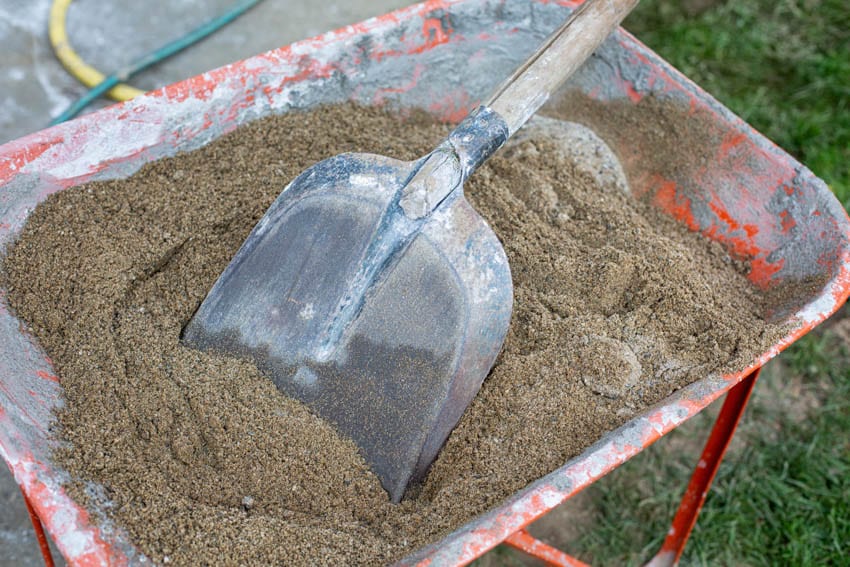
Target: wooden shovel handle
x=519 y=97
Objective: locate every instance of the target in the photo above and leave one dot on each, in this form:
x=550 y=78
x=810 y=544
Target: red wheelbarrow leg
x=39 y=532
x=528 y=544
x=712 y=455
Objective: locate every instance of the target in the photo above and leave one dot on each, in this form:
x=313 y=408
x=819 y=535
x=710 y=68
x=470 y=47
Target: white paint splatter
x=305 y=377
x=307 y=312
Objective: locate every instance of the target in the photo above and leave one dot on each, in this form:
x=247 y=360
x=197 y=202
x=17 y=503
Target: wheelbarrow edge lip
x=82 y=542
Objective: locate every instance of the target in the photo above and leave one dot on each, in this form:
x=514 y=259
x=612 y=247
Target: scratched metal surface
x=754 y=198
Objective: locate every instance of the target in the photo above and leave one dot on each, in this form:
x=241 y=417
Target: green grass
x=782 y=65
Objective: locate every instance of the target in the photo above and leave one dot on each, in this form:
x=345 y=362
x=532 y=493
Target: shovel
x=373 y=292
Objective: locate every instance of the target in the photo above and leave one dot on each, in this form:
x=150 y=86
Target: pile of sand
x=201 y=460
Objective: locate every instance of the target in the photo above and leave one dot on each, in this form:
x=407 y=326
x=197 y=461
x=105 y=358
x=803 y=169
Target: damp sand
x=200 y=459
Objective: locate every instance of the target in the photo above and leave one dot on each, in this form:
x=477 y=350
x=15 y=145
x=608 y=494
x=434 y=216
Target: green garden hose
x=113 y=85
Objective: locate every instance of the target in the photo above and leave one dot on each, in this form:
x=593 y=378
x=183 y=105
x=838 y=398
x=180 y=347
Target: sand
x=200 y=459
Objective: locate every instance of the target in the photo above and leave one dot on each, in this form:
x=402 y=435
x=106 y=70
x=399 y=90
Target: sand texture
x=202 y=460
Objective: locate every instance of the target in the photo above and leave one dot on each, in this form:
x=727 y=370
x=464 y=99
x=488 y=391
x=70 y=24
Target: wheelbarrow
x=747 y=194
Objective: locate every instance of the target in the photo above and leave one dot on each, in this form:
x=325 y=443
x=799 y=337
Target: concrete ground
x=108 y=35
x=34 y=87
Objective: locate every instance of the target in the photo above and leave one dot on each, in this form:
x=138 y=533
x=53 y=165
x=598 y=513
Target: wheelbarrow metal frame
x=754 y=198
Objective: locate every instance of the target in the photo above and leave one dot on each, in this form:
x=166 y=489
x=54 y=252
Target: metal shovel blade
x=371 y=289
x=384 y=324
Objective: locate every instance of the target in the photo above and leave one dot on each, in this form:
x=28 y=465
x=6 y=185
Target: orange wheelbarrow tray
x=443 y=56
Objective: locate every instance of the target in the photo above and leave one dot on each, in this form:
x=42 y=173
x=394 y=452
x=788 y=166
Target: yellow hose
x=84 y=72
